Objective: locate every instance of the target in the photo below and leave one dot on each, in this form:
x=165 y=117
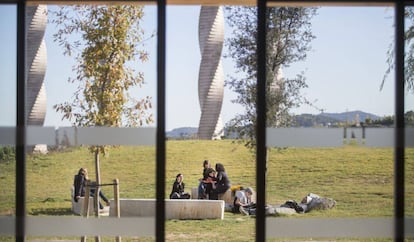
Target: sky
x=343 y=70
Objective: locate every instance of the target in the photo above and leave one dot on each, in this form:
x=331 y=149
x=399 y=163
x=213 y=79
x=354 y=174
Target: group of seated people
x=214 y=183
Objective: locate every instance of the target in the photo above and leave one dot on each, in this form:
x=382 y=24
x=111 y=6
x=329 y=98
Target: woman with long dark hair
x=222 y=183
x=177 y=191
x=79 y=183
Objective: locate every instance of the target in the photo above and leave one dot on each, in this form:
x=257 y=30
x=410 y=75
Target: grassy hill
x=360 y=180
x=312 y=120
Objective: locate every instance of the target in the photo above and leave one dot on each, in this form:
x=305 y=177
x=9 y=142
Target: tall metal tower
x=211 y=77
x=36 y=60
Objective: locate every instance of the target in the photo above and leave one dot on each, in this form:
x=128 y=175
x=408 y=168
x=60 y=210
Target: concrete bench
x=77 y=207
x=227 y=197
x=174 y=208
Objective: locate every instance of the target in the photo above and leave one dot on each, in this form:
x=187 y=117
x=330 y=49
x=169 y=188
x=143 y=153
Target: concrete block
x=77 y=207
x=227 y=197
x=174 y=208
x=194 y=193
x=130 y=207
x=194 y=209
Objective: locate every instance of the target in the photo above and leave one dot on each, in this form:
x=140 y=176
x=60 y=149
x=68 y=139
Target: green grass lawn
x=360 y=179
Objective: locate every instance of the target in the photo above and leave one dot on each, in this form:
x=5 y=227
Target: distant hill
x=183 y=133
x=350 y=116
x=311 y=120
x=302 y=120
x=327 y=119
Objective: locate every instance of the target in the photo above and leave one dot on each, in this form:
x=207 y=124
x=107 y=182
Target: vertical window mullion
x=21 y=124
x=399 y=144
x=261 y=122
x=160 y=207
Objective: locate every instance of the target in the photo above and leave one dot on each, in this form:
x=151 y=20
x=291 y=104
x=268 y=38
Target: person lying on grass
x=310 y=202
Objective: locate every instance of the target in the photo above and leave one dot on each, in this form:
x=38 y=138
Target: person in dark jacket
x=202 y=186
x=222 y=183
x=210 y=184
x=177 y=191
x=79 y=183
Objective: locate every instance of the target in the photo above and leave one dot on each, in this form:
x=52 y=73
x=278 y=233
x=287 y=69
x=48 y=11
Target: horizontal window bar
x=409 y=137
x=115 y=136
x=335 y=227
x=78 y=226
x=41 y=135
x=380 y=137
x=7 y=136
x=74 y=136
x=276 y=137
x=275 y=227
x=304 y=137
x=334 y=137
x=7 y=225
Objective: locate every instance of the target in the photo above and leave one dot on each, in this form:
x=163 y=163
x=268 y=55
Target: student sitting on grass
x=243 y=202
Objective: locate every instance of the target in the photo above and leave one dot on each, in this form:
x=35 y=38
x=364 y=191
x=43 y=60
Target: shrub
x=7 y=153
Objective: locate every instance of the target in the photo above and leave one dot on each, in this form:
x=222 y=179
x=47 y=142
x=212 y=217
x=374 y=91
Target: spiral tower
x=211 y=76
x=36 y=60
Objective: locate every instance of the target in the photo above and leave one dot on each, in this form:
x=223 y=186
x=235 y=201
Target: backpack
x=293 y=204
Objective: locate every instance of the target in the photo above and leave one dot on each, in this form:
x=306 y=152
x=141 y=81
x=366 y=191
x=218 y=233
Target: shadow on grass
x=52 y=211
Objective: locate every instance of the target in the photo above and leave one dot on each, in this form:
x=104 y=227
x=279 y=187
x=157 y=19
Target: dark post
x=21 y=124
x=160 y=146
x=363 y=132
x=261 y=122
x=117 y=208
x=344 y=133
x=399 y=136
x=85 y=212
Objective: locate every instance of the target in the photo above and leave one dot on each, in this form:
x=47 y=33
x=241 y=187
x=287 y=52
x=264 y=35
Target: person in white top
x=243 y=202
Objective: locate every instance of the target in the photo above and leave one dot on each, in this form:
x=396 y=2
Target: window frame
x=399 y=144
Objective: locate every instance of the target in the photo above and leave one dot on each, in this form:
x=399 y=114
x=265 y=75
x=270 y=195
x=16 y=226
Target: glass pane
x=8 y=65
x=325 y=160
x=198 y=107
x=7 y=120
x=409 y=121
x=107 y=87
